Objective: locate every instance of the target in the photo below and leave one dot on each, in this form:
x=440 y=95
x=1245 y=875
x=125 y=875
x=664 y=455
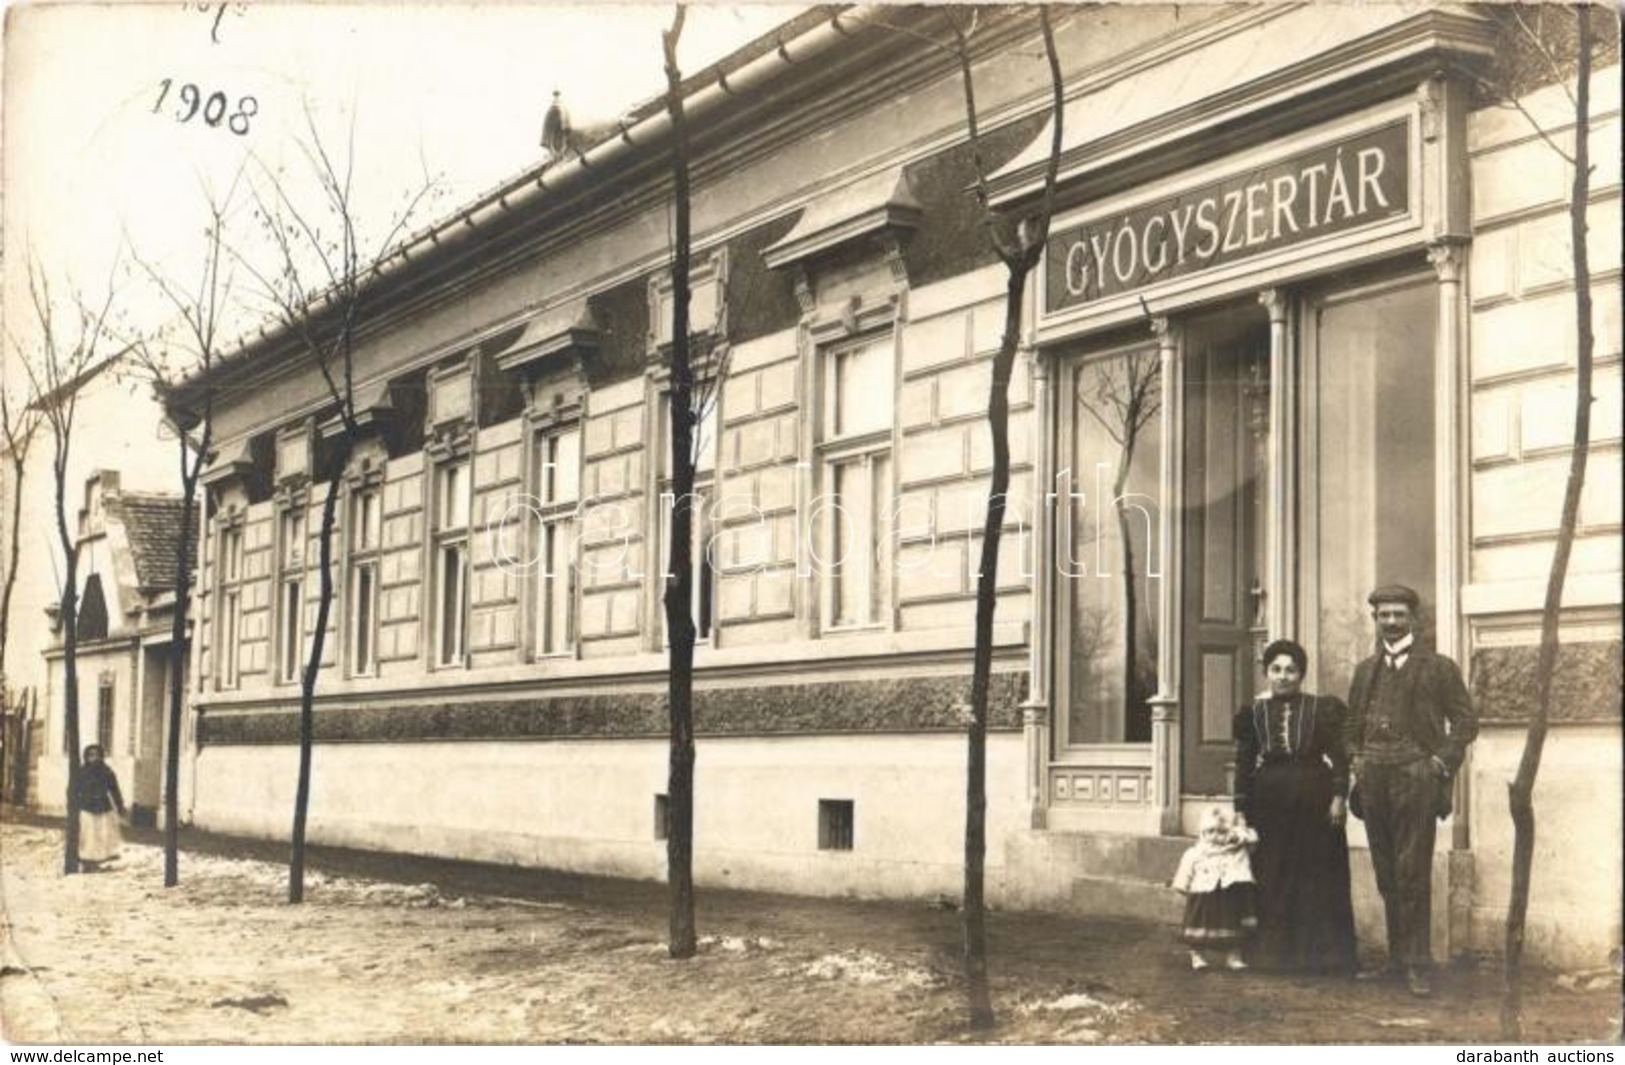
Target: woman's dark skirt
x=1305 y=916
x=1222 y=919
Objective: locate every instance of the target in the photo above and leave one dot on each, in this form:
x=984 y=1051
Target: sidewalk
x=394 y=948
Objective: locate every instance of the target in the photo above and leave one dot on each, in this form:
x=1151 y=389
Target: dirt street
x=392 y=949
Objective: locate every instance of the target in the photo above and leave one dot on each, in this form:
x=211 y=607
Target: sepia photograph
x=988 y=525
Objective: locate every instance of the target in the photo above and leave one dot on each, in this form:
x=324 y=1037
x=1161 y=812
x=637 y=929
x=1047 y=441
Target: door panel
x=1226 y=442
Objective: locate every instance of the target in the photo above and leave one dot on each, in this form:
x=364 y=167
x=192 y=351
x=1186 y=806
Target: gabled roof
x=153 y=525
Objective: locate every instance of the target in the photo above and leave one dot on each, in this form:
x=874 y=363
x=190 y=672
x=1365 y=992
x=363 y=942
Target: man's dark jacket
x=1433 y=693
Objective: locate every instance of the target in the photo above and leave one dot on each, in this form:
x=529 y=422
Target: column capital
x=1274 y=301
x=1165 y=330
x=1447 y=258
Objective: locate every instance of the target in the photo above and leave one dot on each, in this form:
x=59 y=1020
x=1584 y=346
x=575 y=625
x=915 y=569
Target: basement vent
x=662 y=817
x=836 y=818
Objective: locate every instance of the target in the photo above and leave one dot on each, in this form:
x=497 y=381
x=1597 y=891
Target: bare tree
x=320 y=294
x=679 y=595
x=1123 y=396
x=1543 y=43
x=59 y=358
x=1018 y=240
x=18 y=424
x=19 y=421
x=190 y=349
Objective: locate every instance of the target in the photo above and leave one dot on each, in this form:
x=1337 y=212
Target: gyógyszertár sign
x=1336 y=187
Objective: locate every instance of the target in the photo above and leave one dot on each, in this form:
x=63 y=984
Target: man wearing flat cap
x=1410 y=721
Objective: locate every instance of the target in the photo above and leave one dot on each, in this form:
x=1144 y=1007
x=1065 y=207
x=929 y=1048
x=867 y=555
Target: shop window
x=1110 y=482
x=451 y=511
x=558 y=498
x=290 y=638
x=1368 y=493
x=856 y=478
x=228 y=622
x=366 y=531
x=837 y=819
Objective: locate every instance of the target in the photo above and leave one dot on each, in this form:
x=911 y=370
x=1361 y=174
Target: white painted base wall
x=588 y=806
x=1574 y=911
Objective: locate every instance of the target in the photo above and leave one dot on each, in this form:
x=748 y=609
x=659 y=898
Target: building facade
x=1299 y=330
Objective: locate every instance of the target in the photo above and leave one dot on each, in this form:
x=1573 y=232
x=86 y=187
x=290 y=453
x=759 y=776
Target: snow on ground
x=115 y=957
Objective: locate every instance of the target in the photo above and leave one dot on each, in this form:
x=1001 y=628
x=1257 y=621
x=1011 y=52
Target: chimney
x=556 y=129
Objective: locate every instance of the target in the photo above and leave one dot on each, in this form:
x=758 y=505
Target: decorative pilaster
x=1280 y=536
x=1450 y=474
x=1166 y=782
x=1040 y=631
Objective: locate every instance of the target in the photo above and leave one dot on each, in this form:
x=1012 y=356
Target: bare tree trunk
x=1019 y=256
x=8 y=742
x=1130 y=599
x=70 y=659
x=980 y=1002
x=313 y=665
x=1520 y=793
x=191 y=467
x=13 y=549
x=679 y=596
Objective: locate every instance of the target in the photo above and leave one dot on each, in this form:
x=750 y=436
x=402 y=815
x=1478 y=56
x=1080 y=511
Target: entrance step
x=1127 y=876
x=1104 y=896
x=1103 y=874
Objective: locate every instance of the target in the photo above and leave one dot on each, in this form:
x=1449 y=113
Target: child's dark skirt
x=1223 y=919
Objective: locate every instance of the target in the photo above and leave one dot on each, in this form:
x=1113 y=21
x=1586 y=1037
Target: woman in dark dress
x=1292 y=776
x=96 y=794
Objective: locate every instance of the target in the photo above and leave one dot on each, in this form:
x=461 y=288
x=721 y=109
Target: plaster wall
x=589 y=806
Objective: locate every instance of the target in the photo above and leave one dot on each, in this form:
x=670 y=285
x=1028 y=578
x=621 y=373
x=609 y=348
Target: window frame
x=552 y=515
x=290 y=650
x=873 y=447
x=362 y=556
x=444 y=538
x=705 y=574
x=229 y=584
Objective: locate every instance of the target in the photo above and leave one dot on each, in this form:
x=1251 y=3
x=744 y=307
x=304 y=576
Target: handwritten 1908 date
x=213 y=108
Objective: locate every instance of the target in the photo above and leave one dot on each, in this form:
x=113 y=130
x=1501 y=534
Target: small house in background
x=128 y=544
x=121 y=469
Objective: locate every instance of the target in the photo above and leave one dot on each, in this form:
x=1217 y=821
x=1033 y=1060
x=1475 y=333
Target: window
x=855 y=457
x=836 y=819
x=228 y=626
x=1369 y=500
x=1107 y=531
x=702 y=505
x=366 y=527
x=104 y=717
x=558 y=493
x=290 y=593
x=451 y=562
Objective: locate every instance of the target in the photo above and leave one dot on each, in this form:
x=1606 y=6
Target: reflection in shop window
x=1369 y=500
x=1110 y=532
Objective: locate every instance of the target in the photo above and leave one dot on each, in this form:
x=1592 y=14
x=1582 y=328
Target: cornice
x=867 y=70
x=1358 y=72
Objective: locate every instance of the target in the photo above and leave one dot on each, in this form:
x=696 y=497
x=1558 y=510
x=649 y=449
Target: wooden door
x=1226 y=441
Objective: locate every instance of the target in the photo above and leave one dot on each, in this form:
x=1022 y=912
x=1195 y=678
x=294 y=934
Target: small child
x=1217 y=881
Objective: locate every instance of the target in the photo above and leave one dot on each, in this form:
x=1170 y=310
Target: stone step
x=1120 y=856
x=1145 y=900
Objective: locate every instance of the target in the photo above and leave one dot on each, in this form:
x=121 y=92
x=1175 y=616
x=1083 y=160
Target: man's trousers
x=1399 y=823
